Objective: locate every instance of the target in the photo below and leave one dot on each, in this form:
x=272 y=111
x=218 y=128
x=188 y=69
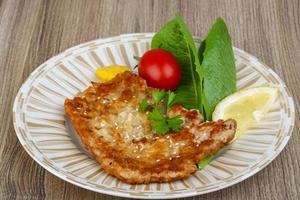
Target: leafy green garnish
x=156 y=115
x=175 y=123
x=158 y=121
x=218 y=63
x=144 y=105
x=207 y=76
x=176 y=38
x=216 y=56
x=170 y=99
x=160 y=127
x=158 y=95
x=161 y=123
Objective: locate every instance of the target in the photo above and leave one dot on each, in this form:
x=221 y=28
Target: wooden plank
x=33 y=31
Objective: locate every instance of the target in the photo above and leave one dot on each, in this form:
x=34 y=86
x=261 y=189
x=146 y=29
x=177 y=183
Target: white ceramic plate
x=39 y=121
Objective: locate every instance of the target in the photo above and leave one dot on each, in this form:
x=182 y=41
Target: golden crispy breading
x=120 y=137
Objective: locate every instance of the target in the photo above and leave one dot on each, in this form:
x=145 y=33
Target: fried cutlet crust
x=121 y=139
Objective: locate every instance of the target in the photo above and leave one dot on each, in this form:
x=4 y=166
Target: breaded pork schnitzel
x=106 y=116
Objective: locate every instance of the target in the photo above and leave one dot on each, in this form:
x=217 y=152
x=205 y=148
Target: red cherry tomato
x=160 y=69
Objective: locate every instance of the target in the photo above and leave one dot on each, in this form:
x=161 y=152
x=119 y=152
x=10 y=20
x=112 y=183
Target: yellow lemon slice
x=109 y=72
x=246 y=106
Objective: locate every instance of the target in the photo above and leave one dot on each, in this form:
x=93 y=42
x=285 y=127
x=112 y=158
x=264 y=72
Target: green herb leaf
x=158 y=95
x=155 y=115
x=176 y=38
x=162 y=124
x=158 y=121
x=160 y=127
x=170 y=100
x=217 y=60
x=144 y=105
x=175 y=123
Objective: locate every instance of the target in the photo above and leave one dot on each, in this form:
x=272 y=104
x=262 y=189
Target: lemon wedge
x=246 y=106
x=109 y=72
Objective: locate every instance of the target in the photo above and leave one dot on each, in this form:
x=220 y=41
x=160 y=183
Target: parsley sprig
x=160 y=122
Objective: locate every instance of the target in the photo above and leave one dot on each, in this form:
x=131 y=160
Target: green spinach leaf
x=217 y=60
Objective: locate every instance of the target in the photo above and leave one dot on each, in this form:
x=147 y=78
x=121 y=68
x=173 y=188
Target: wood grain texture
x=32 y=31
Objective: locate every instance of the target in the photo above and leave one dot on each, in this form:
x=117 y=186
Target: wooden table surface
x=33 y=31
